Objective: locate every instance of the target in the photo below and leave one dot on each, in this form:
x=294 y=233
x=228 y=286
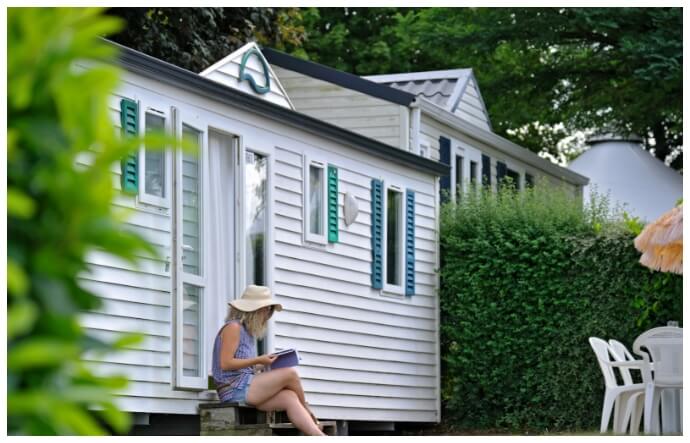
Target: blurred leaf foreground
x=61 y=149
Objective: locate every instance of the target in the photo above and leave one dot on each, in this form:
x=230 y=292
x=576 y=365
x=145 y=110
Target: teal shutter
x=129 y=118
x=409 y=243
x=332 y=204
x=376 y=234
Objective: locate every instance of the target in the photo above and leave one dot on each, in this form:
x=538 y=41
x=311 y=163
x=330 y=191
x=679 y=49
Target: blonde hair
x=255 y=322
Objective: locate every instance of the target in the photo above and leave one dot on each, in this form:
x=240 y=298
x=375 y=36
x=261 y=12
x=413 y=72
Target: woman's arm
x=230 y=341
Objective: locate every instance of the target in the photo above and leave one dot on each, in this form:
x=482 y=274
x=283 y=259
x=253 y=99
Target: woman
x=234 y=361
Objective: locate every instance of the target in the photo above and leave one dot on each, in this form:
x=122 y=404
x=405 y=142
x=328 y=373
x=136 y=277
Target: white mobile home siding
x=470 y=108
x=431 y=130
x=365 y=356
x=361 y=113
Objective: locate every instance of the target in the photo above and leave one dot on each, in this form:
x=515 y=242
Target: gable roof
x=445 y=88
x=344 y=79
x=164 y=72
x=227 y=71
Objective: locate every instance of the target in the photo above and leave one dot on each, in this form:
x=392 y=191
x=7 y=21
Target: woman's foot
x=313 y=417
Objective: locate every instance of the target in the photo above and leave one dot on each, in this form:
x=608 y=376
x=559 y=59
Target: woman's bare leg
x=287 y=400
x=268 y=384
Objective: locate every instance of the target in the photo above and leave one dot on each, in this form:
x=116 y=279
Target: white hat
x=254 y=298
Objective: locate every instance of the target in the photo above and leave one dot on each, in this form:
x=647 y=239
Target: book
x=286 y=358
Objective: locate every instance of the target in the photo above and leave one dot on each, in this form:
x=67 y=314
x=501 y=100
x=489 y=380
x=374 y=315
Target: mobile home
x=343 y=227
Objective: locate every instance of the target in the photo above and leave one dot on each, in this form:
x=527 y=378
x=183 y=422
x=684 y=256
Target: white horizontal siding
x=359 y=349
x=353 y=110
x=471 y=109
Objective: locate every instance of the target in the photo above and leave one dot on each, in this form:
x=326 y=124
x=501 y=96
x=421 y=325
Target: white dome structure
x=620 y=167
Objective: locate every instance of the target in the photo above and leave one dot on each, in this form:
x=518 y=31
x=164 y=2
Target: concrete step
x=287 y=428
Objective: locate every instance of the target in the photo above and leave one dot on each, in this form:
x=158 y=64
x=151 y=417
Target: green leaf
x=21 y=317
x=17 y=281
x=40 y=352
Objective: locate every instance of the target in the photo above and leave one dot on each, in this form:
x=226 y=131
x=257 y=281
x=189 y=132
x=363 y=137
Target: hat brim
x=253 y=305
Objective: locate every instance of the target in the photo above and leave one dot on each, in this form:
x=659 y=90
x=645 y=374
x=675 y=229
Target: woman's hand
x=266 y=359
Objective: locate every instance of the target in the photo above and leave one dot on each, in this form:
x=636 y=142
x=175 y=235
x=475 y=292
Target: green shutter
x=409 y=243
x=129 y=118
x=332 y=204
x=376 y=234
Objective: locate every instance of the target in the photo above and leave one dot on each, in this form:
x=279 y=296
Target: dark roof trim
x=340 y=78
x=159 y=70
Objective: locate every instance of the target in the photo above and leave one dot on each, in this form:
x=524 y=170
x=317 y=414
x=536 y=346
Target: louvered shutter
x=129 y=167
x=376 y=234
x=486 y=170
x=332 y=204
x=444 y=146
x=409 y=243
x=501 y=171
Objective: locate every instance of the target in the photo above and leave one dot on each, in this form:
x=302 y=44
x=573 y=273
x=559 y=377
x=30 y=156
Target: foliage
x=526 y=279
x=195 y=38
x=545 y=73
x=61 y=147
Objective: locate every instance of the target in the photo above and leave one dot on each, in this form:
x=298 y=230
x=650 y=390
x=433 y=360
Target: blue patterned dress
x=232 y=385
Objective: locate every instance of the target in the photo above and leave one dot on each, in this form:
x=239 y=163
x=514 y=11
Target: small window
x=315 y=202
x=514 y=178
x=459 y=178
x=154 y=187
x=473 y=173
x=394 y=223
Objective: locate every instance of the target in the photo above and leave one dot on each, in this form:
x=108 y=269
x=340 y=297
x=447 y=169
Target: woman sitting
x=235 y=360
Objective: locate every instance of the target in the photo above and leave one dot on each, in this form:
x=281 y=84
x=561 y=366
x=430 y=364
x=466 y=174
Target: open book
x=286 y=358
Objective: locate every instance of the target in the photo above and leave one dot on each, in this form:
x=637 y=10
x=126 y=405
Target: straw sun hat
x=254 y=298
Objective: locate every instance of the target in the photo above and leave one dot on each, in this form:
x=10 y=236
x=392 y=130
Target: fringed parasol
x=661 y=242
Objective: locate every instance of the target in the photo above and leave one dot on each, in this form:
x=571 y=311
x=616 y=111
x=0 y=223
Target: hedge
x=527 y=278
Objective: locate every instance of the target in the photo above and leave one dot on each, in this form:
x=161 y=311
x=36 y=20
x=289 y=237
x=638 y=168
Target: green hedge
x=526 y=279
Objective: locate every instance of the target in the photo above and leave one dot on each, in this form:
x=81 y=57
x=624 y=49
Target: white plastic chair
x=665 y=345
x=615 y=394
x=635 y=404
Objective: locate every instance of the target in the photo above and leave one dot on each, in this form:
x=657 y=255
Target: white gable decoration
x=246 y=69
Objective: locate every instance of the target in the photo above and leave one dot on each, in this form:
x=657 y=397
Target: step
x=328 y=427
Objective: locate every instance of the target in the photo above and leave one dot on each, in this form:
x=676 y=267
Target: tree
x=545 y=73
x=195 y=38
x=61 y=146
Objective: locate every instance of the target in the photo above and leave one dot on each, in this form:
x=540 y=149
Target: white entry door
x=190 y=273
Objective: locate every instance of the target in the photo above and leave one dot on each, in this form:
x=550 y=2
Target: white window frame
x=150 y=107
x=179 y=380
x=468 y=154
x=387 y=287
x=310 y=237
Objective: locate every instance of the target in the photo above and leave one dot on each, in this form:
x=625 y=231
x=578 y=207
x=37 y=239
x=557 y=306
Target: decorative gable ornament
x=247 y=70
x=246 y=76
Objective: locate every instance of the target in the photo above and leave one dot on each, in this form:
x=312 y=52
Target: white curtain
x=220 y=239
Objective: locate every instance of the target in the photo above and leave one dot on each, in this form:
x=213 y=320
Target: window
x=474 y=173
x=154 y=184
x=189 y=368
x=255 y=176
x=514 y=178
x=315 y=208
x=393 y=237
x=459 y=179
